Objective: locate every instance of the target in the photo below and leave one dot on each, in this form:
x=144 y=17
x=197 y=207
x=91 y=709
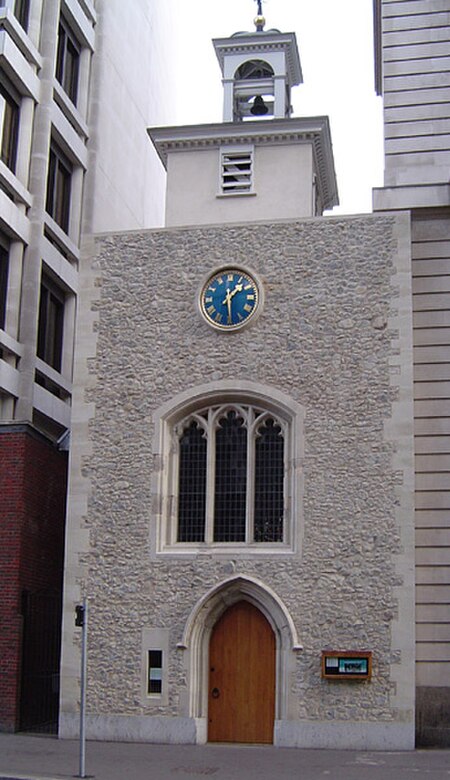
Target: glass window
x=22 y=12
x=155 y=658
x=67 y=61
x=231 y=475
x=51 y=324
x=58 y=187
x=4 y=267
x=230 y=489
x=192 y=484
x=269 y=482
x=10 y=104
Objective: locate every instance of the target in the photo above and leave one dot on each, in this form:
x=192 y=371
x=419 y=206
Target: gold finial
x=259 y=20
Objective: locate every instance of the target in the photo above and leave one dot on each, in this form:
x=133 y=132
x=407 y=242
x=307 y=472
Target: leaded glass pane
x=269 y=483
x=192 y=485
x=231 y=479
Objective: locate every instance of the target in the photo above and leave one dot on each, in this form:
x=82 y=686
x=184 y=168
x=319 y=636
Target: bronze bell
x=259 y=108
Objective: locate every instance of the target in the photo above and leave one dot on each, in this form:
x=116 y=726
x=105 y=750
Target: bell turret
x=258 y=71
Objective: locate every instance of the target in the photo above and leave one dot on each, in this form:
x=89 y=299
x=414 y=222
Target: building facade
x=413 y=75
x=306 y=385
x=73 y=141
x=241 y=492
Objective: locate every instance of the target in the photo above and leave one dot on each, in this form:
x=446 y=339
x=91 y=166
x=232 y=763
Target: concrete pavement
x=48 y=758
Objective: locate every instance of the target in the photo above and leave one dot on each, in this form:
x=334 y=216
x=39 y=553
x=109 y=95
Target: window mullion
x=173 y=495
x=288 y=459
x=250 y=534
x=210 y=480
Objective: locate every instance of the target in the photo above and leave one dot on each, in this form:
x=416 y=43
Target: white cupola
x=258 y=71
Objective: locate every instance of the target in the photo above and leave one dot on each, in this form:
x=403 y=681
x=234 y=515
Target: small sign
x=346 y=665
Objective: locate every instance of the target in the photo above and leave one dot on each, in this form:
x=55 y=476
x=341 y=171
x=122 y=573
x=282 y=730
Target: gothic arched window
x=231 y=475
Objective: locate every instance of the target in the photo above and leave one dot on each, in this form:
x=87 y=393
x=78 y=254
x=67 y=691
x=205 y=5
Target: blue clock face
x=229 y=299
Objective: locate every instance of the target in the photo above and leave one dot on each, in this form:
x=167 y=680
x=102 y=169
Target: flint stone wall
x=335 y=335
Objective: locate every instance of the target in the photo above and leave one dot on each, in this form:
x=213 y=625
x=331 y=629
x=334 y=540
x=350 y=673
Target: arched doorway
x=241 y=693
x=199 y=627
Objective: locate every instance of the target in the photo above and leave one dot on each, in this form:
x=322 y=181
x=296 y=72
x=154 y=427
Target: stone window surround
x=154 y=639
x=164 y=480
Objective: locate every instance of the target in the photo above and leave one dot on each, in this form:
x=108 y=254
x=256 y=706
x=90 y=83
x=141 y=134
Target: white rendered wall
x=131 y=73
x=283 y=187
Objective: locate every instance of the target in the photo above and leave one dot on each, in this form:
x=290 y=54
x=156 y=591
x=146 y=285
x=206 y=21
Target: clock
x=230 y=298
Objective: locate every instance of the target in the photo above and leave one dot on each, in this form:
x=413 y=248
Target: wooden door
x=241 y=696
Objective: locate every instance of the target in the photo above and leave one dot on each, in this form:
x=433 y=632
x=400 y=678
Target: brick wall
x=32 y=510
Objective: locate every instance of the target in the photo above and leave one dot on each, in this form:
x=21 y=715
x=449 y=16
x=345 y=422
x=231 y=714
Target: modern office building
x=75 y=158
x=413 y=75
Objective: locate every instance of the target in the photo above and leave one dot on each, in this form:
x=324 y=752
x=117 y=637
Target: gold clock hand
x=229 y=294
x=238 y=288
x=228 y=303
x=228 y=297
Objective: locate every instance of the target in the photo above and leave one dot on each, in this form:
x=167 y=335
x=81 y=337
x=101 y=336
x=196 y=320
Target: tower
x=242 y=465
x=260 y=162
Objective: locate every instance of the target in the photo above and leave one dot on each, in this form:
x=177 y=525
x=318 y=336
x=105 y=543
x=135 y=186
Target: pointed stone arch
x=167 y=420
x=197 y=631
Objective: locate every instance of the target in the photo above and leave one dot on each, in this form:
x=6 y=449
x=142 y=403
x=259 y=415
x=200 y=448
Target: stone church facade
x=330 y=355
x=241 y=497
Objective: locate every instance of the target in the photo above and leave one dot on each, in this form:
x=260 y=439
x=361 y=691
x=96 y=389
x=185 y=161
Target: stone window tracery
x=231 y=475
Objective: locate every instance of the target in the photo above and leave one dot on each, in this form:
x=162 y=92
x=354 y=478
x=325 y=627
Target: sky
x=335 y=43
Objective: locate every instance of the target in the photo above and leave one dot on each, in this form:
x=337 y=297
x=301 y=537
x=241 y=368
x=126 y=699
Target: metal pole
x=83 y=689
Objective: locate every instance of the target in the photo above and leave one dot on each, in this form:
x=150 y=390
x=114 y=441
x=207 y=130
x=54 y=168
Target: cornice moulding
x=312 y=130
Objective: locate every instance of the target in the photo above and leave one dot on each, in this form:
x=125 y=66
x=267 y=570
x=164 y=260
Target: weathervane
x=259 y=19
